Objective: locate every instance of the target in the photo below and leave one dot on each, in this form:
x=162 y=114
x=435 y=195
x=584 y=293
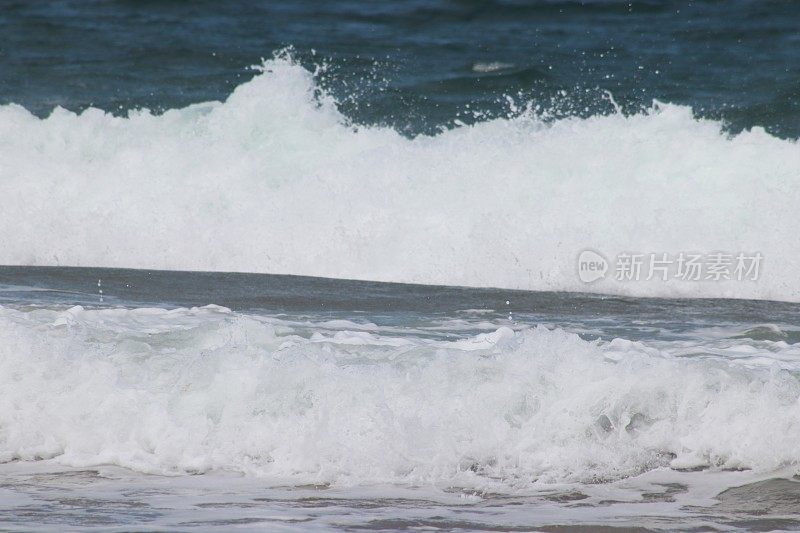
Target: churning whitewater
x=277 y=180
x=194 y=390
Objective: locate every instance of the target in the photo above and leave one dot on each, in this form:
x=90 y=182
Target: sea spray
x=276 y=180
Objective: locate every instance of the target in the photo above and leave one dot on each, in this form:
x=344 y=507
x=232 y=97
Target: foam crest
x=276 y=180
x=195 y=390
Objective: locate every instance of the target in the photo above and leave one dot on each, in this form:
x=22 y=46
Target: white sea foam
x=193 y=390
x=275 y=180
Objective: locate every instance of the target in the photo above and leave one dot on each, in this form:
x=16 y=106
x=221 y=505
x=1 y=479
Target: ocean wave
x=277 y=180
x=203 y=389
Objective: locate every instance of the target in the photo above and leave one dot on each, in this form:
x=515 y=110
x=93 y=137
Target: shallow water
x=109 y=499
x=345 y=405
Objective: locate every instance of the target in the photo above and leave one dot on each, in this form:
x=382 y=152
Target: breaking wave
x=276 y=180
x=195 y=390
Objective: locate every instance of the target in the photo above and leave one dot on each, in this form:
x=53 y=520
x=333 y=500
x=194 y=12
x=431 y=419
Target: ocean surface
x=131 y=403
x=443 y=265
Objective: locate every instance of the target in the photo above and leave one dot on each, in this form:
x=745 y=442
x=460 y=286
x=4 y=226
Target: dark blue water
x=416 y=65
